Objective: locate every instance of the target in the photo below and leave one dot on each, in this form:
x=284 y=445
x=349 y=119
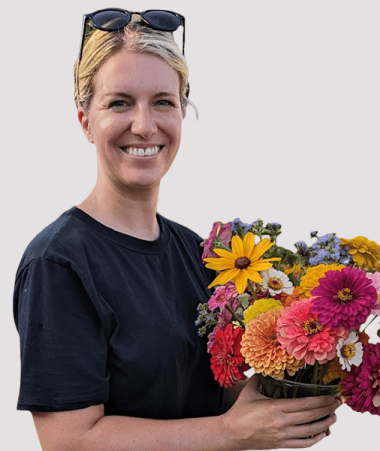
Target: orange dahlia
x=262 y=350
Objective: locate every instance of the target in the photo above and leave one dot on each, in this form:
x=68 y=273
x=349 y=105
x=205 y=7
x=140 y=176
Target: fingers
x=303 y=443
x=304 y=404
x=313 y=429
x=308 y=416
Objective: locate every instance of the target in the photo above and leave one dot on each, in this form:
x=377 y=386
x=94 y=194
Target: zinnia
x=361 y=387
x=227 y=363
x=262 y=350
x=222 y=295
x=375 y=280
x=276 y=282
x=242 y=263
x=365 y=253
x=313 y=274
x=302 y=334
x=261 y=306
x=221 y=231
x=344 y=298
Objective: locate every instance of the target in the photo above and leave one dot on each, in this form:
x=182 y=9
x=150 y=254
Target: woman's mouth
x=140 y=152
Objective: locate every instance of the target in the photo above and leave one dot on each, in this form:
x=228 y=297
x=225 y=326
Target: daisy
x=349 y=351
x=276 y=282
x=242 y=263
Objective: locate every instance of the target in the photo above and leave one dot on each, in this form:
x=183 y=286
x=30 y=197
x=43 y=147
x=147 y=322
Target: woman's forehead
x=127 y=71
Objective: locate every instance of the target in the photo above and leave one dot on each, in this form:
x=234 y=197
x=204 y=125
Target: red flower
x=227 y=363
x=362 y=384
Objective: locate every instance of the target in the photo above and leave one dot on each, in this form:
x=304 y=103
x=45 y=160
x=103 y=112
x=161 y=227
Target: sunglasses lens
x=162 y=20
x=111 y=20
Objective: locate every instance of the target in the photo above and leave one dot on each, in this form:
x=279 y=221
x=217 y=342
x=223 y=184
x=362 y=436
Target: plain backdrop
x=288 y=95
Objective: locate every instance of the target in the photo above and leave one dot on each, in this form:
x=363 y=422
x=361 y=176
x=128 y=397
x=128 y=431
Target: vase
x=273 y=388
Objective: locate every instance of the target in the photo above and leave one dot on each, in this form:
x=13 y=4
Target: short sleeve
x=63 y=348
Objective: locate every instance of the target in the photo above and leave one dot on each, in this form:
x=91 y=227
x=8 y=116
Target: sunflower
x=242 y=263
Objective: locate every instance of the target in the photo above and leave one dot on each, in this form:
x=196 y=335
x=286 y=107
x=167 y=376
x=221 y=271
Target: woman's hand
x=258 y=422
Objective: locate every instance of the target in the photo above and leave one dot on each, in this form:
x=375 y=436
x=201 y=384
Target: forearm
x=117 y=433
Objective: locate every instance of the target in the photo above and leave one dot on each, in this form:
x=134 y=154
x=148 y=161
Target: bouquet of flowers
x=293 y=315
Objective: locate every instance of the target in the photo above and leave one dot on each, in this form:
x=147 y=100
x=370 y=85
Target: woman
x=105 y=296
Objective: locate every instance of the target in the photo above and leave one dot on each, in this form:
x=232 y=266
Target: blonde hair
x=135 y=37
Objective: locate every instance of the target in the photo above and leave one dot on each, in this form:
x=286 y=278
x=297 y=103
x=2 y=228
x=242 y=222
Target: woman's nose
x=143 y=122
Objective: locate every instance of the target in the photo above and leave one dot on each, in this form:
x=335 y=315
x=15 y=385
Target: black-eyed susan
x=242 y=263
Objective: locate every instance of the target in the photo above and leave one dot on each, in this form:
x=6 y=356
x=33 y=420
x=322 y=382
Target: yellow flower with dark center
x=242 y=263
x=365 y=253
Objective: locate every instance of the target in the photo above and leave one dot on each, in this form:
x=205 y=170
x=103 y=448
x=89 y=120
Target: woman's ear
x=85 y=124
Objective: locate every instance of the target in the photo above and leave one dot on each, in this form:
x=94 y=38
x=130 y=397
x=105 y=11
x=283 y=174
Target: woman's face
x=134 y=120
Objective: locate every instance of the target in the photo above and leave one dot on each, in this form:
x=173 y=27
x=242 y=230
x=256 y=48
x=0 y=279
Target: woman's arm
x=254 y=422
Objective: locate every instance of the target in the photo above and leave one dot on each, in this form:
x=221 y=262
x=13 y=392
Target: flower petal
x=224 y=277
x=241 y=281
x=237 y=247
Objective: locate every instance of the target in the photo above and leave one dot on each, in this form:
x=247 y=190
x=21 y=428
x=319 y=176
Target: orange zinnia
x=262 y=350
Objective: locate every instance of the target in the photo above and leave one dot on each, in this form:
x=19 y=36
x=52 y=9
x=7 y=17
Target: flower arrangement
x=293 y=315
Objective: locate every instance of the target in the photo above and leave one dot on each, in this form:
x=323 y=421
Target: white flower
x=349 y=351
x=276 y=282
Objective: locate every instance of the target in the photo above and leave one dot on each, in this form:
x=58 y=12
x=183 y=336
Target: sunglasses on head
x=115 y=19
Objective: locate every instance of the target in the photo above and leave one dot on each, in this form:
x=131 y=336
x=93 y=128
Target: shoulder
x=182 y=233
x=55 y=242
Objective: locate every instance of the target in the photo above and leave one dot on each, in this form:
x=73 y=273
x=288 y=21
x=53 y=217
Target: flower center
x=273 y=337
x=242 y=262
x=275 y=283
x=345 y=295
x=312 y=326
x=349 y=351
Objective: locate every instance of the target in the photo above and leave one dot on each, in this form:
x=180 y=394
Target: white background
x=289 y=99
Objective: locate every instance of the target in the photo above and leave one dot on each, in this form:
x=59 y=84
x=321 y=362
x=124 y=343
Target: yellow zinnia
x=242 y=263
x=365 y=253
x=311 y=279
x=261 y=306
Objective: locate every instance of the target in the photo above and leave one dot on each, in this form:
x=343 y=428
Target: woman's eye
x=165 y=103
x=119 y=104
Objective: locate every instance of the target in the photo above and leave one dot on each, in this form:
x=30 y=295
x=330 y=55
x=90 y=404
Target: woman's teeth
x=141 y=152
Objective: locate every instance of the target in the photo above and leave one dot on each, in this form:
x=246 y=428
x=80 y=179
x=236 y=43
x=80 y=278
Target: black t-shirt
x=106 y=318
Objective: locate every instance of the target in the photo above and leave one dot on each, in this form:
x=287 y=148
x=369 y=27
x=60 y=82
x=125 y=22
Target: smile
x=139 y=152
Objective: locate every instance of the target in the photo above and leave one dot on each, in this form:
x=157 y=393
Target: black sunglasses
x=115 y=19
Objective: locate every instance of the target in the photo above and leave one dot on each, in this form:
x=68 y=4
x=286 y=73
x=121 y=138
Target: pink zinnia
x=300 y=331
x=344 y=298
x=361 y=386
x=225 y=235
x=222 y=295
x=375 y=280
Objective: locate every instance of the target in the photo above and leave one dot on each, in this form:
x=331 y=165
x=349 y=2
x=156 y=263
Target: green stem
x=234 y=315
x=369 y=323
x=252 y=290
x=315 y=373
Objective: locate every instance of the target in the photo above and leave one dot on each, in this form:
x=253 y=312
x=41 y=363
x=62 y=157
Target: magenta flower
x=361 y=386
x=344 y=298
x=375 y=280
x=222 y=295
x=224 y=234
x=301 y=333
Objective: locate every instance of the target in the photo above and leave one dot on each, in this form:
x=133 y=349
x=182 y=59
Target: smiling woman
x=105 y=296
